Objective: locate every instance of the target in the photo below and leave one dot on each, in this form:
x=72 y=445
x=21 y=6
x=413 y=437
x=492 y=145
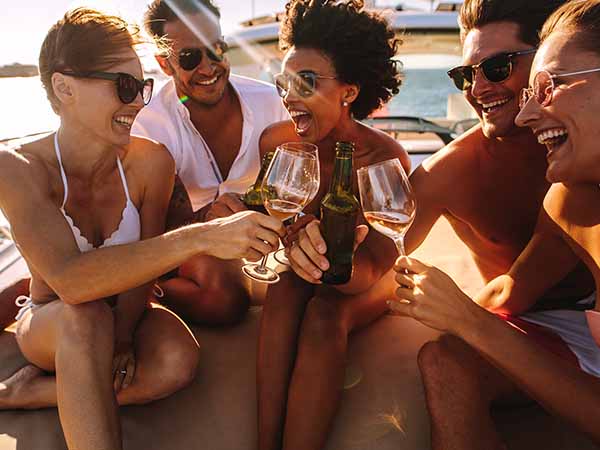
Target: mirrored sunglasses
x=304 y=83
x=190 y=58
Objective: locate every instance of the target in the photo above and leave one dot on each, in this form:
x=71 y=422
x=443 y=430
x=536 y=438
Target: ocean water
x=25 y=109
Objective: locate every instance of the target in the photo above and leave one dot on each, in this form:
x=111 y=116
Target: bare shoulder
x=573 y=204
x=381 y=146
x=436 y=178
x=25 y=164
x=149 y=156
x=458 y=156
x=23 y=174
x=276 y=134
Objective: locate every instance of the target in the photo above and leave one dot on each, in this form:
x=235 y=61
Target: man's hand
x=246 y=234
x=123 y=365
x=428 y=295
x=306 y=249
x=224 y=206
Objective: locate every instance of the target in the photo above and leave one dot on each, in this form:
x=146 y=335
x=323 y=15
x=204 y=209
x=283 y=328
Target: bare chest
x=224 y=141
x=497 y=221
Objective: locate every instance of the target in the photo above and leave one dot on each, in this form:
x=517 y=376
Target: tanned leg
x=318 y=375
x=8 y=309
x=167 y=357
x=207 y=291
x=77 y=342
x=277 y=343
x=460 y=387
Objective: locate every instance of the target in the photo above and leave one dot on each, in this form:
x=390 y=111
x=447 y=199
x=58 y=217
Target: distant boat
x=420 y=30
x=430 y=40
x=18 y=70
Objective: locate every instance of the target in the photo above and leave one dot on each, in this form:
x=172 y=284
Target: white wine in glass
x=279 y=255
x=286 y=190
x=387 y=199
x=282 y=209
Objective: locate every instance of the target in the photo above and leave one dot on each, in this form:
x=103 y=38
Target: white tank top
x=129 y=227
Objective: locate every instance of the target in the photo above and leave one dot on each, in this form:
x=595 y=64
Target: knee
x=323 y=324
x=174 y=369
x=89 y=325
x=436 y=358
x=448 y=362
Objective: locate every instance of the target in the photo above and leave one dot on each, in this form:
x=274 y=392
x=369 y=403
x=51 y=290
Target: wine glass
x=279 y=255
x=387 y=199
x=286 y=190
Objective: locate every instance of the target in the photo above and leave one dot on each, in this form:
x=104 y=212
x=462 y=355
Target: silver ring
x=123 y=372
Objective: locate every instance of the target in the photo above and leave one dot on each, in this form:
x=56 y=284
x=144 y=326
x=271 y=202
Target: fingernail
x=316 y=274
x=324 y=265
x=321 y=249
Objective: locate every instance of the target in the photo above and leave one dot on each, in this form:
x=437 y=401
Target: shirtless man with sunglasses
x=490 y=184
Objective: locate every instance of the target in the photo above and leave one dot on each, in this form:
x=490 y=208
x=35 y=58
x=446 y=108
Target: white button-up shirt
x=167 y=121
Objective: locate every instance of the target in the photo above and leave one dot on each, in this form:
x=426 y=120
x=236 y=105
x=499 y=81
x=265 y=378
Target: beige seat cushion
x=384 y=411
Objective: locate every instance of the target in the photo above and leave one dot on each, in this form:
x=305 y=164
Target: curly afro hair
x=360 y=44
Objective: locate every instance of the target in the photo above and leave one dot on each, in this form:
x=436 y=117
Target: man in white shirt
x=211 y=123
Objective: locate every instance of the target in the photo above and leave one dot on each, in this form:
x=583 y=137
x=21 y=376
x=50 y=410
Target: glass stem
x=399 y=241
x=263 y=264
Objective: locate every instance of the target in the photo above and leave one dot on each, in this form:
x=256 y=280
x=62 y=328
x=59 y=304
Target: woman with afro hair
x=338 y=68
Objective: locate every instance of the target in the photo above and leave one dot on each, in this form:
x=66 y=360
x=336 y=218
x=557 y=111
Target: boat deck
x=385 y=410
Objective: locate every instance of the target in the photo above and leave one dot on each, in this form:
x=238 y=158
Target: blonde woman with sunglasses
x=87 y=206
x=561 y=106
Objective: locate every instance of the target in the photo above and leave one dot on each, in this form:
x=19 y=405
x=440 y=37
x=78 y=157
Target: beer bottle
x=253 y=196
x=339 y=209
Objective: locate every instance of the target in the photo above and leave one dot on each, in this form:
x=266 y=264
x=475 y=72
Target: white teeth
x=209 y=82
x=545 y=136
x=496 y=103
x=297 y=113
x=125 y=120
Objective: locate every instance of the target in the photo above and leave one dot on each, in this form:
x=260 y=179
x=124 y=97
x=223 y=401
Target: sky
x=26 y=22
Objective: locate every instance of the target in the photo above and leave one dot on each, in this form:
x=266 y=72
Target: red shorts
x=542 y=336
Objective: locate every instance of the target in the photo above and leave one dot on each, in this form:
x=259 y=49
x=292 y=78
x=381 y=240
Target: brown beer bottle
x=339 y=210
x=253 y=196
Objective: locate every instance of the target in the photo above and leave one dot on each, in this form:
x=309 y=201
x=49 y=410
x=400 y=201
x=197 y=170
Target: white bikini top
x=129 y=227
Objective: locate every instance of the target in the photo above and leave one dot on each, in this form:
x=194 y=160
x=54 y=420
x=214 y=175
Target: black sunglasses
x=303 y=82
x=496 y=69
x=190 y=58
x=128 y=86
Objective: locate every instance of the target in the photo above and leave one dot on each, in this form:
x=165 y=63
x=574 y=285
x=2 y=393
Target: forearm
x=129 y=309
x=111 y=270
x=562 y=388
x=504 y=295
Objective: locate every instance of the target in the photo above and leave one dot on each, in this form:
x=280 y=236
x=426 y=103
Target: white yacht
x=428 y=112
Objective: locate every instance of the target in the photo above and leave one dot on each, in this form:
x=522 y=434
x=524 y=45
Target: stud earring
x=344 y=104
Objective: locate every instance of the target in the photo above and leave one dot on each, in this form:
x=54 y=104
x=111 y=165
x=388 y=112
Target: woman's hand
x=246 y=234
x=428 y=295
x=306 y=250
x=123 y=365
